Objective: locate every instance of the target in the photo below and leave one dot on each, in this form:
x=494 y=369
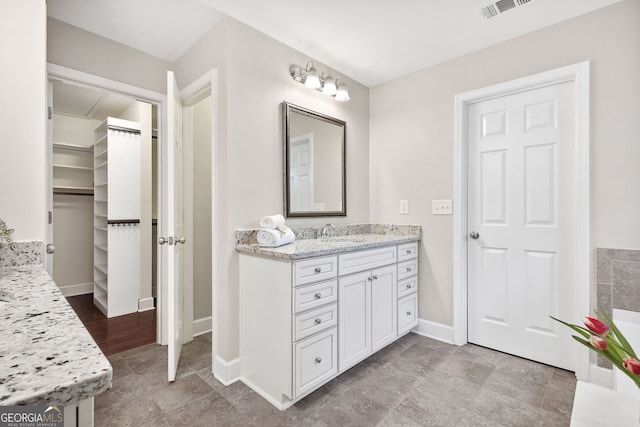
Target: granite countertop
x=47 y=356
x=344 y=240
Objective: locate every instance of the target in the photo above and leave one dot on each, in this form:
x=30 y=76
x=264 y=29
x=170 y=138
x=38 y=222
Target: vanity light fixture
x=324 y=83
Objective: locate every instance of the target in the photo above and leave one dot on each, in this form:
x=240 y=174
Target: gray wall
x=414 y=114
x=253 y=80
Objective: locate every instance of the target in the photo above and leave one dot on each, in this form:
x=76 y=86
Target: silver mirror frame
x=287 y=109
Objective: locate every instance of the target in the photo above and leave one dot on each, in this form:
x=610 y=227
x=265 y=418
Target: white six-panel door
x=521 y=204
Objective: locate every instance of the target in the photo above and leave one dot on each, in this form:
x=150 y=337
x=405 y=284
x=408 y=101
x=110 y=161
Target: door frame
x=83 y=79
x=579 y=74
x=191 y=95
x=205 y=85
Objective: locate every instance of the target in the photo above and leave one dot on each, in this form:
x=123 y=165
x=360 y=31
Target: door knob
x=51 y=248
x=181 y=240
x=162 y=240
x=474 y=234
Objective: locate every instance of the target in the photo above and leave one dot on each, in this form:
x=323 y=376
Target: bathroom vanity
x=313 y=309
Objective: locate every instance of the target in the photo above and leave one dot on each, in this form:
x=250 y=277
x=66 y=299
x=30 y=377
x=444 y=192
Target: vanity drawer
x=407 y=286
x=354 y=262
x=407 y=269
x=317 y=320
x=407 y=251
x=407 y=313
x=312 y=296
x=316 y=360
x=315 y=270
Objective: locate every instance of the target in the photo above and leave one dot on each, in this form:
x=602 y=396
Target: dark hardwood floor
x=116 y=334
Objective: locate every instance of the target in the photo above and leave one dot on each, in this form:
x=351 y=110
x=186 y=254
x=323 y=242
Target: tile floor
x=415 y=381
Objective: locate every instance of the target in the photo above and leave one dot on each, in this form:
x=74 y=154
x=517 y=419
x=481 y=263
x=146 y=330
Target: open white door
x=175 y=225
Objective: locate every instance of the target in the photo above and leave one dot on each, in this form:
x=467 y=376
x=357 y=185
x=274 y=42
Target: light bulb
x=342 y=95
x=312 y=81
x=329 y=87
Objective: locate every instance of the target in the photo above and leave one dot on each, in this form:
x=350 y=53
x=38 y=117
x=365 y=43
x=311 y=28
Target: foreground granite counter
x=46 y=354
x=341 y=238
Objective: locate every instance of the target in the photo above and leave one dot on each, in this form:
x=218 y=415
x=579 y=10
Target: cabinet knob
x=318 y=360
x=408 y=313
x=375 y=277
x=317 y=270
x=318 y=295
x=318 y=321
x=370 y=279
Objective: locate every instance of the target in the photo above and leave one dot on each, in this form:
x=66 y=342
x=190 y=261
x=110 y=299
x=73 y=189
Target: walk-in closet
x=104 y=198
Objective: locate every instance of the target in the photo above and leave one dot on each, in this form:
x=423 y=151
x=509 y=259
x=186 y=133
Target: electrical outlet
x=404 y=207
x=441 y=207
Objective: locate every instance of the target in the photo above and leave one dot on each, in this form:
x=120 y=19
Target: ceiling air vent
x=501 y=6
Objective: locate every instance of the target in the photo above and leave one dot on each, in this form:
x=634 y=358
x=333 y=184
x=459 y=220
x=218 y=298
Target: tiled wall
x=618 y=282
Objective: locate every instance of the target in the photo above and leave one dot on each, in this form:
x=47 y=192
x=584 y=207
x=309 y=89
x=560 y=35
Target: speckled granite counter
x=46 y=354
x=342 y=238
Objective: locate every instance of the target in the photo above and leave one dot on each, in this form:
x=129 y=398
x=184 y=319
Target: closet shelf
x=101 y=228
x=72 y=167
x=101 y=164
x=102 y=268
x=74 y=147
x=100 y=154
x=101 y=302
x=102 y=284
x=101 y=247
x=72 y=190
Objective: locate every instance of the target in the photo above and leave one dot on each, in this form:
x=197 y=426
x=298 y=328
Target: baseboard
x=77 y=289
x=227 y=372
x=202 y=326
x=146 y=304
x=434 y=330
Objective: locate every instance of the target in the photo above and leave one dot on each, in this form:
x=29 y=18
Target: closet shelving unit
x=72 y=169
x=116 y=157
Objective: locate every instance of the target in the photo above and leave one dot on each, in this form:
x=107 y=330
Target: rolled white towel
x=274 y=237
x=272 y=221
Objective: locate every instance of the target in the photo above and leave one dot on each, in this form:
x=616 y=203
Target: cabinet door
x=354 y=319
x=383 y=306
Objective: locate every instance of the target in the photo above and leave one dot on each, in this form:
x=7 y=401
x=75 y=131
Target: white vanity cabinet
x=303 y=322
x=367 y=304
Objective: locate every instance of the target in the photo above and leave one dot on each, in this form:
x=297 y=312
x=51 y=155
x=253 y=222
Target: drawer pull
x=318 y=295
x=409 y=251
x=409 y=286
x=409 y=269
x=318 y=321
x=370 y=279
x=408 y=313
x=318 y=359
x=318 y=270
x=375 y=277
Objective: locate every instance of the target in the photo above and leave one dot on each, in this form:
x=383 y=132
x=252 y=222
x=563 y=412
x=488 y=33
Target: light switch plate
x=441 y=207
x=404 y=207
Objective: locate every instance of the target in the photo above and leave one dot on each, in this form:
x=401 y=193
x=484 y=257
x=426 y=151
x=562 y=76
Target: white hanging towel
x=272 y=221
x=274 y=237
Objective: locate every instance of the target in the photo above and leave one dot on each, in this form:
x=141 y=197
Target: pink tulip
x=598 y=343
x=596 y=326
x=632 y=365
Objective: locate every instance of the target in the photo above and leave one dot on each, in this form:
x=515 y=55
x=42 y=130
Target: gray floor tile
x=414 y=381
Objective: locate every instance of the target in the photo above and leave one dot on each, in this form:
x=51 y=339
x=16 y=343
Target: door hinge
x=50 y=113
x=50 y=217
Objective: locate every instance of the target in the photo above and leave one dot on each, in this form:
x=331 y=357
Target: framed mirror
x=314 y=163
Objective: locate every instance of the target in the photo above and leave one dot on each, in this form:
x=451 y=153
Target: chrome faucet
x=325 y=229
